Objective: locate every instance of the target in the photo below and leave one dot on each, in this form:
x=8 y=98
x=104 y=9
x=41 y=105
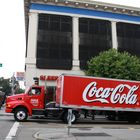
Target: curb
x=6 y=114
x=59 y=135
x=3 y=113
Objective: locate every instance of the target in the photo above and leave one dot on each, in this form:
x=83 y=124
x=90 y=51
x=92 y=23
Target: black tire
x=20 y=114
x=111 y=115
x=65 y=118
x=46 y=114
x=132 y=117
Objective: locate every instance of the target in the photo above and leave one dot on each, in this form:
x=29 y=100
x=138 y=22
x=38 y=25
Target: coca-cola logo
x=110 y=95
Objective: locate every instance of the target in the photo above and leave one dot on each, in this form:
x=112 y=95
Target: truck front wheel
x=20 y=114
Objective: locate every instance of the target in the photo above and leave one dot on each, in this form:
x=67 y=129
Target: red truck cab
x=39 y=101
x=27 y=103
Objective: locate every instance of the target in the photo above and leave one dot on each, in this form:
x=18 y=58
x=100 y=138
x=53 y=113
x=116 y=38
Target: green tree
x=21 y=90
x=114 y=64
x=17 y=89
x=5 y=85
x=16 y=86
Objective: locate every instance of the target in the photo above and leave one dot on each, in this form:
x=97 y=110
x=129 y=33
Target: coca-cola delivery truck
x=116 y=98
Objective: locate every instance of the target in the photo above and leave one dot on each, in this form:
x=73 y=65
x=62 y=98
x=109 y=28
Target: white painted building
x=62 y=35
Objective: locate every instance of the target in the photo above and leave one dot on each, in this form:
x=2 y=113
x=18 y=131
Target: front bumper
x=8 y=110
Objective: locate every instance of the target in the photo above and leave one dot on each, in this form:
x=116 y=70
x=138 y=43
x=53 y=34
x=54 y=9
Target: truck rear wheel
x=73 y=119
x=20 y=114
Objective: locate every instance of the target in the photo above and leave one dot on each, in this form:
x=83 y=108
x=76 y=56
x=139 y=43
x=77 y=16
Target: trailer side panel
x=98 y=93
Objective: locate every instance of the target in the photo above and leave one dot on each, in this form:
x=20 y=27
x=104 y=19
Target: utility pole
x=13 y=83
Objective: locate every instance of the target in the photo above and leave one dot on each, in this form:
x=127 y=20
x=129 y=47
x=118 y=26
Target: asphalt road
x=42 y=129
x=6 y=122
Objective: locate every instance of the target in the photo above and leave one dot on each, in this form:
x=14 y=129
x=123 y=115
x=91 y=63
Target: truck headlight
x=8 y=105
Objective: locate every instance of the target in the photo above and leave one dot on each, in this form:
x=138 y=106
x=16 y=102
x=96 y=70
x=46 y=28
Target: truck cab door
x=36 y=98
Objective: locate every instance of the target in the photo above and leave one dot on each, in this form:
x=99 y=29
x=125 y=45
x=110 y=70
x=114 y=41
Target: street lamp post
x=13 y=83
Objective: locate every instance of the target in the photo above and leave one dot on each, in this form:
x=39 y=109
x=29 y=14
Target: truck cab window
x=35 y=91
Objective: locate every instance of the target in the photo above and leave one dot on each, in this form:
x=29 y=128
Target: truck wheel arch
x=22 y=106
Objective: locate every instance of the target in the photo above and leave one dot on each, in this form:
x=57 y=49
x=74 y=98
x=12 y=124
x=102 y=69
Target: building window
x=95 y=36
x=54 y=44
x=129 y=38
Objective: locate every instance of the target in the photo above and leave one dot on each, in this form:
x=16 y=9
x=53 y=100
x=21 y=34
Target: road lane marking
x=12 y=132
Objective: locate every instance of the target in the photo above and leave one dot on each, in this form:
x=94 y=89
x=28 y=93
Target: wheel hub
x=21 y=115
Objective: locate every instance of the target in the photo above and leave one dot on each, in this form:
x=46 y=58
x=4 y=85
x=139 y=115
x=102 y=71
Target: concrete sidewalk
x=87 y=133
x=74 y=134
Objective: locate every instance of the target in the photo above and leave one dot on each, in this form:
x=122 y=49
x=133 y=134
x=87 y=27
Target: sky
x=12 y=37
x=12 y=34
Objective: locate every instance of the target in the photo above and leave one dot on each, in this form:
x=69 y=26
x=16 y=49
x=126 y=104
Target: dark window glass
x=95 y=36
x=54 y=44
x=129 y=38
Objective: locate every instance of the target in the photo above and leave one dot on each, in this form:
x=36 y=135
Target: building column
x=75 y=42
x=114 y=35
x=32 y=38
x=30 y=60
